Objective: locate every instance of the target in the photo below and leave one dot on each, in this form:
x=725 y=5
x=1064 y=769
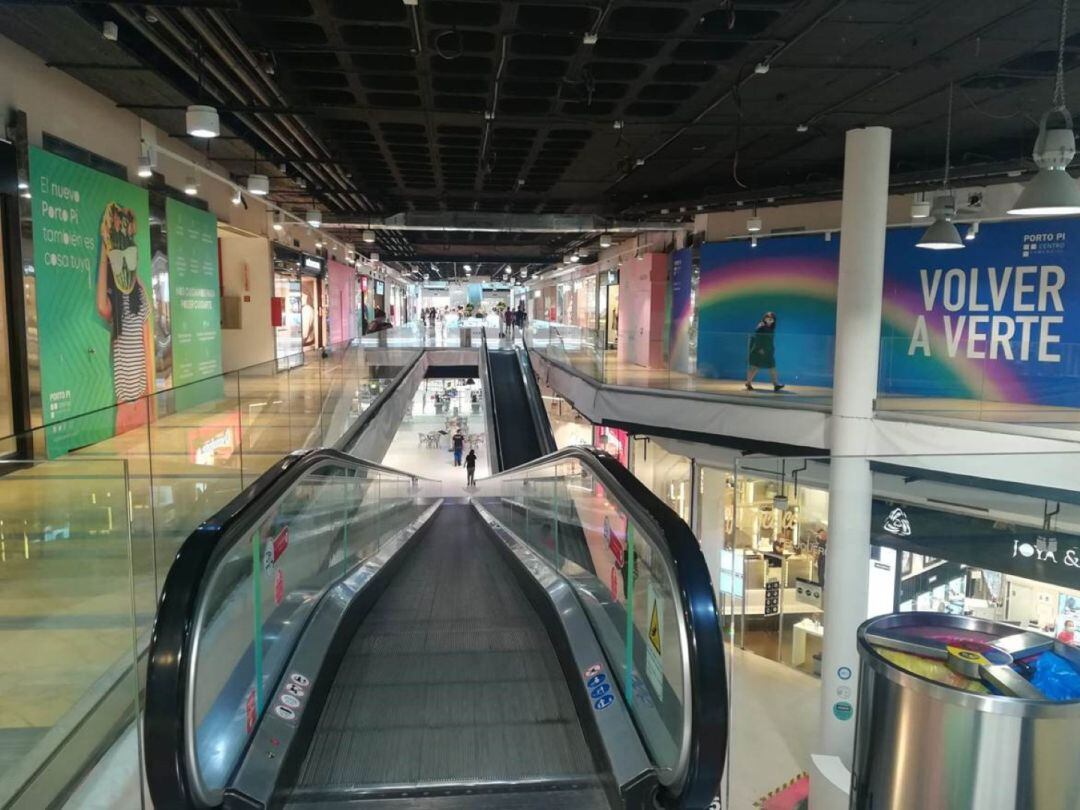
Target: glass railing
x=148 y=471
x=640 y=576
x=238 y=598
x=68 y=626
x=803 y=364
x=445 y=334
x=974 y=375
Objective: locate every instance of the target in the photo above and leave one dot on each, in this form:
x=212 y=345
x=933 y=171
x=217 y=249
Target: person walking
x=763 y=352
x=458 y=443
x=519 y=318
x=508 y=323
x=470 y=468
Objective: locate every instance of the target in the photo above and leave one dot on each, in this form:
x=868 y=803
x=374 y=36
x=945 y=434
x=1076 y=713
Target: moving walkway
x=342 y=636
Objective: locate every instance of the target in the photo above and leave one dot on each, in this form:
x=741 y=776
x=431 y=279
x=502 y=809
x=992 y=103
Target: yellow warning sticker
x=654 y=658
x=654 y=629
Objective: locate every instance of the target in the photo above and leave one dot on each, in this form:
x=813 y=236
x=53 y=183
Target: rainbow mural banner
x=989 y=322
x=794 y=277
x=681 y=273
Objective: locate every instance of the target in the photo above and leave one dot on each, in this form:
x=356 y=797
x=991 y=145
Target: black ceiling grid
x=874 y=63
x=501 y=106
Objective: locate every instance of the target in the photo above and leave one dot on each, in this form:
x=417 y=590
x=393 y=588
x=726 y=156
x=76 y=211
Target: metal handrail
x=540 y=420
x=491 y=405
x=704 y=743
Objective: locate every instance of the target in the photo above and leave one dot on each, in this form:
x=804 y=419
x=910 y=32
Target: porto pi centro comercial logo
x=1043 y=243
x=897 y=523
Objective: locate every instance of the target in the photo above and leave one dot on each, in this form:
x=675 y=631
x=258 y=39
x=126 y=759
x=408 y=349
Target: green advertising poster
x=194 y=302
x=94 y=305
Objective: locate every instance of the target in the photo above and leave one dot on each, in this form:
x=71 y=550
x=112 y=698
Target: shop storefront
x=341 y=302
x=607 y=308
x=666 y=474
x=969 y=566
x=614 y=442
x=299 y=306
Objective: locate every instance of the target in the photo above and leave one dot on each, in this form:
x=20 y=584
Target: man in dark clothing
x=458 y=442
x=470 y=467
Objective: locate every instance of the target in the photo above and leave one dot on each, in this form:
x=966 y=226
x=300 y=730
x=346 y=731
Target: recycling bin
x=958 y=713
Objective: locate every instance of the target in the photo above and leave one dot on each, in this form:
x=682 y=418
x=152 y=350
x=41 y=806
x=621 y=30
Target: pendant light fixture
x=201 y=119
x=314 y=218
x=1052 y=191
x=942 y=234
x=257 y=184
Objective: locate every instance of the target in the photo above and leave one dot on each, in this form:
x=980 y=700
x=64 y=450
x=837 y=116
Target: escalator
x=520 y=428
x=343 y=637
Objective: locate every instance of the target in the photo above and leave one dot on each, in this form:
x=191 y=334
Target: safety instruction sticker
x=654 y=649
x=599 y=688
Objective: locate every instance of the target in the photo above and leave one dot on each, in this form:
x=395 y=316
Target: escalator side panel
x=278 y=747
x=451 y=680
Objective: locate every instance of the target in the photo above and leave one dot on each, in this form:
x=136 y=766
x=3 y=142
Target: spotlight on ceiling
x=468 y=269
x=314 y=218
x=369 y=237
x=942 y=234
x=753 y=225
x=605 y=240
x=1052 y=191
x=191 y=186
x=258 y=184
x=575 y=256
x=972 y=232
x=202 y=121
x=920 y=209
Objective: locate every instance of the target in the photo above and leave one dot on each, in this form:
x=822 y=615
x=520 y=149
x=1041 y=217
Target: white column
x=855 y=375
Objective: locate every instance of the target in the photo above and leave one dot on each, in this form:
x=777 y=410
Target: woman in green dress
x=763 y=352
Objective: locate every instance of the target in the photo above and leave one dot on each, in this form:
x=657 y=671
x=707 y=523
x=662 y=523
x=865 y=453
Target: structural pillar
x=855 y=375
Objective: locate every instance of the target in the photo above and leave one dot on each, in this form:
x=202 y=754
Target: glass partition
x=619 y=565
x=260 y=591
x=68 y=628
x=156 y=468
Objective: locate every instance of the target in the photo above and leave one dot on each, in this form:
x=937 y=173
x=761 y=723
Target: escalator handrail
x=490 y=404
x=170 y=661
x=545 y=438
x=705 y=727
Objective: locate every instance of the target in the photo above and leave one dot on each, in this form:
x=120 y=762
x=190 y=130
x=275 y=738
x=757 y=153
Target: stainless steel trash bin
x=956 y=713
